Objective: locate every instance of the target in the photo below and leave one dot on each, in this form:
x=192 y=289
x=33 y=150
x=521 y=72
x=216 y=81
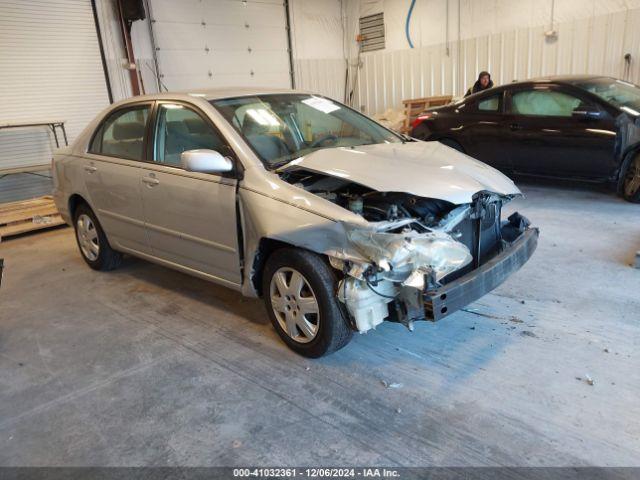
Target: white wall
x=505 y=37
x=317 y=42
x=479 y=17
x=318 y=46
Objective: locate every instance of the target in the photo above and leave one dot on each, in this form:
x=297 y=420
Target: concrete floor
x=145 y=366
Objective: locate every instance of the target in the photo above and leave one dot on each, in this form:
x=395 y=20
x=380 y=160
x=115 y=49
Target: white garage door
x=50 y=69
x=216 y=43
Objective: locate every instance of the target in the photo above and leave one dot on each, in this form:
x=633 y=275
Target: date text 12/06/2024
x=315 y=472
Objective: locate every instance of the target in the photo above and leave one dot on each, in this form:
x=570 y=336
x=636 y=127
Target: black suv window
x=122 y=133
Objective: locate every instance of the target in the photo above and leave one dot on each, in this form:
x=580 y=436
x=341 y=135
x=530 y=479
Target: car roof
x=230 y=92
x=212 y=93
x=557 y=79
x=571 y=79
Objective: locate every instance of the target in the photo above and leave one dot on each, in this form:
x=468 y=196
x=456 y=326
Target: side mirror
x=586 y=112
x=205 y=161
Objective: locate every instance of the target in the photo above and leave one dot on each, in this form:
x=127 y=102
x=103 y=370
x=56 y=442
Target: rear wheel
x=630 y=180
x=299 y=290
x=92 y=242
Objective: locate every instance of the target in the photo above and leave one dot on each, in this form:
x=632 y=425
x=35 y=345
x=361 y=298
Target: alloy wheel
x=294 y=304
x=88 y=237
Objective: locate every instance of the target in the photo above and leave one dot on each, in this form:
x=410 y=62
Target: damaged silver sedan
x=337 y=222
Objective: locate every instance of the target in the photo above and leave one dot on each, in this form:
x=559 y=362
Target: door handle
x=515 y=126
x=90 y=169
x=152 y=182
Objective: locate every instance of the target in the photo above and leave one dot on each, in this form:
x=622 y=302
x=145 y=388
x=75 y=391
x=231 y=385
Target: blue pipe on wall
x=406 y=26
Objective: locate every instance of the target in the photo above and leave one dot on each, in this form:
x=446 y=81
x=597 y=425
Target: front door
x=112 y=170
x=190 y=217
x=548 y=139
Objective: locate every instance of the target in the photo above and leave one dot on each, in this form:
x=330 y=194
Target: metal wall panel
x=215 y=43
x=114 y=50
x=594 y=45
x=323 y=76
x=50 y=69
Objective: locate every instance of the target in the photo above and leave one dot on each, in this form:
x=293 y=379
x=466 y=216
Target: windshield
x=624 y=95
x=283 y=127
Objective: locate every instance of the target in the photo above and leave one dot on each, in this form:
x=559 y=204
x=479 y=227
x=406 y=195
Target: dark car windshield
x=624 y=95
x=282 y=127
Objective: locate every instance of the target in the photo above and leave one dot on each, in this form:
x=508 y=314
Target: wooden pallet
x=28 y=215
x=415 y=106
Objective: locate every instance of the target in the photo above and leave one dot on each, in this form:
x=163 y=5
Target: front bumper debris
x=455 y=295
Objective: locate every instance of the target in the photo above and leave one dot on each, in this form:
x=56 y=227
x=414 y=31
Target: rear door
x=548 y=139
x=190 y=217
x=112 y=171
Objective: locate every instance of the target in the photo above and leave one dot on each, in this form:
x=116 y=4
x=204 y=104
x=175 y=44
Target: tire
x=92 y=242
x=292 y=314
x=629 y=183
x=452 y=144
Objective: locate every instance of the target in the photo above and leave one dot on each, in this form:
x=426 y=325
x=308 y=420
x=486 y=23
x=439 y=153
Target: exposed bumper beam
x=457 y=294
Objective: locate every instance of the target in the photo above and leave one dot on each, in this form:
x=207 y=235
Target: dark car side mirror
x=586 y=112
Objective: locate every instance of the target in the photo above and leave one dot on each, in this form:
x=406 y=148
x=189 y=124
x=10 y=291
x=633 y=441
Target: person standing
x=483 y=83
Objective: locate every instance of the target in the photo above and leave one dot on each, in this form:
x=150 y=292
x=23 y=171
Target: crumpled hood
x=425 y=169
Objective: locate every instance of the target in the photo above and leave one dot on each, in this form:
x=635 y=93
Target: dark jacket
x=477 y=87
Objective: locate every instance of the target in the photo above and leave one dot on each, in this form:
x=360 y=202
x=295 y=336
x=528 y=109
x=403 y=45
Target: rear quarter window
x=491 y=104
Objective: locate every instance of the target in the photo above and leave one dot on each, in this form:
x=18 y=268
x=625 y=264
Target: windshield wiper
x=282 y=163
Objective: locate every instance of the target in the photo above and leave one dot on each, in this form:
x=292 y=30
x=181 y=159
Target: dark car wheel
x=92 y=242
x=299 y=290
x=630 y=181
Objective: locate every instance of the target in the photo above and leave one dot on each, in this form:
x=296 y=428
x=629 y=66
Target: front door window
x=181 y=129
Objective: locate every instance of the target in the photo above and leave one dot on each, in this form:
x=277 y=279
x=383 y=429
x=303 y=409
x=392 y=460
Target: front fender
x=265 y=217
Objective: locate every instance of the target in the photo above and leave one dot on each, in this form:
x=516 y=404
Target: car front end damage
x=419 y=258
x=418 y=271
x=418 y=232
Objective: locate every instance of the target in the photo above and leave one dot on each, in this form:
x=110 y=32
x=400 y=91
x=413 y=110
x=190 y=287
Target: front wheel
x=299 y=290
x=630 y=180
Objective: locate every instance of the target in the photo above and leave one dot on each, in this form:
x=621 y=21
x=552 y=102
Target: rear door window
x=544 y=103
x=122 y=134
